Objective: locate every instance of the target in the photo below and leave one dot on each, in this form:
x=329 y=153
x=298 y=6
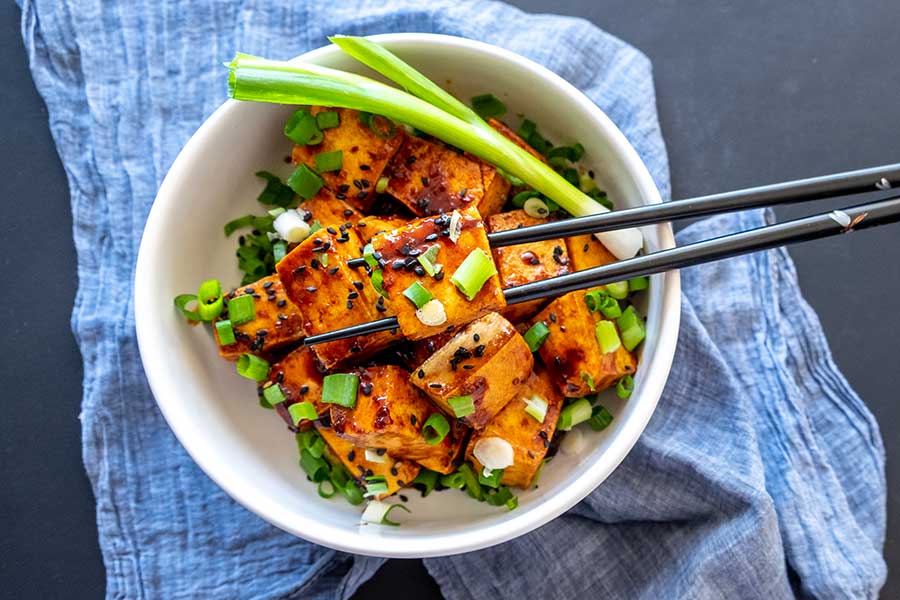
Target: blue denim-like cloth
x=760 y=475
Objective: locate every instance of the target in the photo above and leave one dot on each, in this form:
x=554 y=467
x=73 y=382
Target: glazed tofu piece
x=370 y=226
x=486 y=360
x=397 y=473
x=329 y=211
x=316 y=276
x=586 y=251
x=389 y=414
x=278 y=323
x=496 y=189
x=300 y=380
x=528 y=437
x=525 y=263
x=365 y=154
x=398 y=253
x=572 y=352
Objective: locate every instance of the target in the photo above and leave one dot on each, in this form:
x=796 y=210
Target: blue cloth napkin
x=760 y=475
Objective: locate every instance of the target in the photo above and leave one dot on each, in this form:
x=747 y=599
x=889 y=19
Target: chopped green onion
x=305 y=182
x=594 y=299
x=428 y=261
x=493 y=480
x=618 y=290
x=181 y=302
x=607 y=337
x=376 y=485
x=339 y=474
x=316 y=445
x=329 y=161
x=600 y=418
x=521 y=198
x=536 y=208
x=314 y=227
x=454 y=480
x=381 y=184
x=501 y=497
x=371 y=121
x=473 y=273
x=377 y=512
x=274 y=395
x=526 y=129
x=305 y=439
x=315 y=466
x=473 y=488
x=637 y=284
x=209 y=299
x=426 y=480
x=240 y=223
x=302 y=410
x=352 y=493
x=487 y=106
x=252 y=367
x=610 y=308
x=378 y=282
x=586 y=183
x=571 y=153
x=303 y=128
x=241 y=309
x=340 y=389
x=435 y=429
x=573 y=414
x=369 y=256
x=632 y=327
x=536 y=335
x=461 y=405
x=326 y=489
x=279 y=250
x=417 y=294
x=536 y=407
x=275 y=193
x=226 y=332
x=328 y=119
x=275 y=212
x=624 y=387
x=589 y=380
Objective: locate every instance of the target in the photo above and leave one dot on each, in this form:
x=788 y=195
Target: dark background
x=748 y=92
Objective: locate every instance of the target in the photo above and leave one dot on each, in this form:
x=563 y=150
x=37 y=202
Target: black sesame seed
x=431 y=237
x=479 y=351
x=366 y=388
x=439 y=276
x=351 y=456
x=307 y=216
x=341 y=196
x=424 y=181
x=467 y=367
x=257 y=296
x=332 y=270
x=398 y=264
x=281 y=303
x=331 y=230
x=317 y=241
x=553 y=317
x=353 y=295
x=326 y=246
x=369 y=472
x=299 y=270
x=362 y=195
x=418 y=270
x=435 y=385
x=248 y=290
x=421 y=374
x=364 y=167
x=380 y=308
x=304 y=389
x=410 y=159
x=357 y=184
x=403 y=498
x=584 y=248
x=343 y=188
x=349 y=304
x=271 y=298
x=412 y=419
x=262 y=332
x=282 y=317
x=476 y=337
x=311 y=289
x=534 y=260
x=267 y=284
x=381 y=451
x=358 y=285
x=365 y=183
x=404 y=249
x=348 y=212
x=394 y=471
x=463 y=192
x=361 y=224
x=314 y=263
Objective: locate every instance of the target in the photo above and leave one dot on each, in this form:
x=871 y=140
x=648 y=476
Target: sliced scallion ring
x=473 y=273
x=252 y=367
x=461 y=405
x=435 y=429
x=377 y=512
x=536 y=208
x=181 y=303
x=340 y=389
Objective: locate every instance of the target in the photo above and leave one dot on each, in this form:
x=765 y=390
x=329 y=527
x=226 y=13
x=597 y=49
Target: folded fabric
x=760 y=475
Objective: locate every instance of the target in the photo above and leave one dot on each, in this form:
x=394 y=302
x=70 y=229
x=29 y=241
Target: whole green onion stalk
x=426 y=107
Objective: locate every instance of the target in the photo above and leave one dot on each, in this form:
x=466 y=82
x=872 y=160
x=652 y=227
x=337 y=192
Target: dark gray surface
x=749 y=93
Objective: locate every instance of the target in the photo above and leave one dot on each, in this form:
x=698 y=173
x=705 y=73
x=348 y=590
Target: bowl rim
x=431 y=544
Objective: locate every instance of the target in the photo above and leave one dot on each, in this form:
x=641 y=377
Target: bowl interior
x=214 y=412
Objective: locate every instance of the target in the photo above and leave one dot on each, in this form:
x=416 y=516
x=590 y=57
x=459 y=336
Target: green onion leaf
x=329 y=161
x=276 y=193
x=536 y=335
x=618 y=290
x=303 y=128
x=487 y=106
x=428 y=260
x=369 y=256
x=241 y=309
x=501 y=497
x=589 y=380
x=279 y=250
x=252 y=367
x=435 y=429
x=594 y=299
x=425 y=481
x=461 y=405
x=381 y=184
x=240 y=223
x=624 y=387
x=302 y=410
x=352 y=493
x=340 y=389
x=571 y=415
x=328 y=119
x=521 y=198
x=315 y=466
x=417 y=294
x=470 y=479
x=305 y=182
x=473 y=273
x=326 y=489
x=375 y=486
x=314 y=227
x=454 y=480
x=632 y=327
x=607 y=337
x=226 y=332
x=378 y=282
x=181 y=302
x=571 y=153
x=600 y=418
x=607 y=305
x=274 y=395
x=339 y=474
x=536 y=407
x=637 y=284
x=492 y=481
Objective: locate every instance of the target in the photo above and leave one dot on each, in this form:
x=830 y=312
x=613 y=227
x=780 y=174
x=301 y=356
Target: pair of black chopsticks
x=883 y=210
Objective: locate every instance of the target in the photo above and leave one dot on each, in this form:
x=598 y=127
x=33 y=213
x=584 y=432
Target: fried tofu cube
x=397 y=253
x=572 y=351
x=528 y=437
x=316 y=276
x=328 y=211
x=370 y=226
x=524 y=263
x=365 y=154
x=268 y=332
x=397 y=473
x=300 y=380
x=487 y=360
x=496 y=189
x=389 y=414
x=586 y=251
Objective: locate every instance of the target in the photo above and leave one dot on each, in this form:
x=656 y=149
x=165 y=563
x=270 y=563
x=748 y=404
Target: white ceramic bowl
x=214 y=412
